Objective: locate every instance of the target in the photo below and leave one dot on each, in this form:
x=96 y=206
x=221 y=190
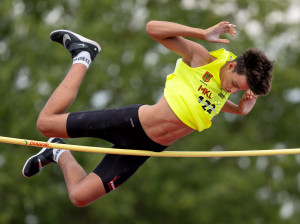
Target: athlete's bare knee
x=52 y=125
x=77 y=198
x=42 y=126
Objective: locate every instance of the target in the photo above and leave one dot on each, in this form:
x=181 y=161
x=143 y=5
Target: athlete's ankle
x=84 y=58
x=57 y=153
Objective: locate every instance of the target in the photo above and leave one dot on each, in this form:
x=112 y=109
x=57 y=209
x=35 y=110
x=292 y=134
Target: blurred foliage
x=132 y=69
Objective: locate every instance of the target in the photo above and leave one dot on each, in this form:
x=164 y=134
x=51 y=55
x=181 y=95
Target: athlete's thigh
x=113 y=125
x=114 y=170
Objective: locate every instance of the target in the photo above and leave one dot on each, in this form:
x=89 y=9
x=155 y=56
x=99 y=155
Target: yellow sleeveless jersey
x=195 y=94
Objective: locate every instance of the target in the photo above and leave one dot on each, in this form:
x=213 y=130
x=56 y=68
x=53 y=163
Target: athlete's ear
x=232 y=65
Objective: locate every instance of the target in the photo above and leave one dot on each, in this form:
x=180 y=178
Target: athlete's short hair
x=258 y=70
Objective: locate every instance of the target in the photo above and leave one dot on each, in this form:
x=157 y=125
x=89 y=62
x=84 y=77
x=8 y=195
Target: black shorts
x=120 y=127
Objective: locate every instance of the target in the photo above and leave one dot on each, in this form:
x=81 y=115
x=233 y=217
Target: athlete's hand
x=247 y=102
x=213 y=34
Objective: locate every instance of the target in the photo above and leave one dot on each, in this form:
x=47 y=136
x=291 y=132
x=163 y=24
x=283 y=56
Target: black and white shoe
x=36 y=162
x=75 y=43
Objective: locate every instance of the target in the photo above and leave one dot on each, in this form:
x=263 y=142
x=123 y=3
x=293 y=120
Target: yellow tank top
x=195 y=94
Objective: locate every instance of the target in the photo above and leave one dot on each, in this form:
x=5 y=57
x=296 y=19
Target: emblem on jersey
x=207 y=76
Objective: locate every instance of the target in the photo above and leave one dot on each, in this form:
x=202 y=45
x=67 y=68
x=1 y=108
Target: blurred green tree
x=254 y=190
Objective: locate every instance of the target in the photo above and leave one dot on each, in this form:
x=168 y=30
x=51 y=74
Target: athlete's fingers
x=250 y=95
x=231 y=29
x=224 y=41
x=228 y=28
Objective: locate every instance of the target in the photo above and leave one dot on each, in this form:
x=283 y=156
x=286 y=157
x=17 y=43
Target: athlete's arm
x=245 y=106
x=171 y=35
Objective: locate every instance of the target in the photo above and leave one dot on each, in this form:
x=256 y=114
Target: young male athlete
x=197 y=91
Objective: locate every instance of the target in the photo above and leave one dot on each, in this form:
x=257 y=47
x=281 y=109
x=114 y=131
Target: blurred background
x=132 y=69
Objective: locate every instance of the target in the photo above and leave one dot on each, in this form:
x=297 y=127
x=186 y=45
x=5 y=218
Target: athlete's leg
x=83 y=189
x=52 y=119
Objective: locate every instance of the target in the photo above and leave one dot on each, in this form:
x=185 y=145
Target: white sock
x=84 y=58
x=57 y=153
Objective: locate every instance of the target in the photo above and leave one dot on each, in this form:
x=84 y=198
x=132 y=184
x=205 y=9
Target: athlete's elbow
x=242 y=112
x=151 y=28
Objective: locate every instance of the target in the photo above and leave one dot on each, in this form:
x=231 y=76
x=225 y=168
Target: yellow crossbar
x=82 y=148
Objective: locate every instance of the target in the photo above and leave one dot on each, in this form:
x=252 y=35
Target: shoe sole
x=50 y=140
x=81 y=38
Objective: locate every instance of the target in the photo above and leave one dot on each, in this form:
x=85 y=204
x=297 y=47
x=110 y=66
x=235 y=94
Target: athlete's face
x=231 y=81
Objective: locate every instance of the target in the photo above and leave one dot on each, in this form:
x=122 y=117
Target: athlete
x=197 y=91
